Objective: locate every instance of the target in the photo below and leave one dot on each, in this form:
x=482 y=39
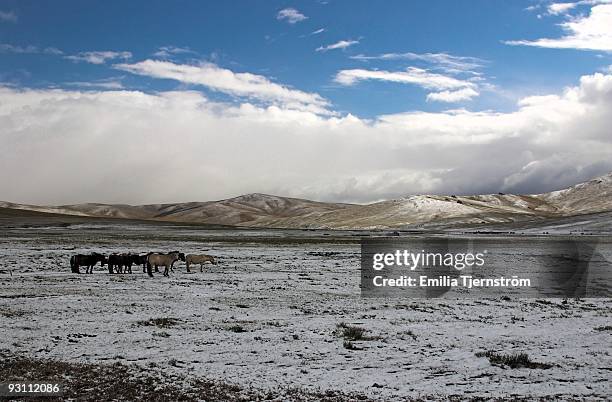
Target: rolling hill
x=262 y=210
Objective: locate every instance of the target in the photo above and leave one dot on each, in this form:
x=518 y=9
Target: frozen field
x=268 y=316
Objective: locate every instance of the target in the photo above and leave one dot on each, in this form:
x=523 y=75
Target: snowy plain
x=267 y=315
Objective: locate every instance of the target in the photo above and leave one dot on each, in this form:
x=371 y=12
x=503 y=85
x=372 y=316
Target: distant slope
x=592 y=196
x=247 y=210
x=262 y=210
x=43 y=209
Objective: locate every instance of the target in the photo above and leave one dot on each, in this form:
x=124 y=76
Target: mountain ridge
x=265 y=210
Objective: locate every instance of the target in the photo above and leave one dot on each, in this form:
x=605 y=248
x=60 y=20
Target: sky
x=353 y=101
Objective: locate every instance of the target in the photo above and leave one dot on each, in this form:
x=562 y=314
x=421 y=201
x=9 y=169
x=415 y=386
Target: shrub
x=353 y=332
x=164 y=322
x=237 y=329
x=516 y=360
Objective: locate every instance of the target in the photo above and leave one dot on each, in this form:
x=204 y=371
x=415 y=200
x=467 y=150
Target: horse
x=167 y=260
x=118 y=262
x=138 y=259
x=146 y=256
x=198 y=259
x=88 y=261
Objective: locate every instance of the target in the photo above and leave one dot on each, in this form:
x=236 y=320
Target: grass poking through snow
x=164 y=322
x=515 y=360
x=353 y=333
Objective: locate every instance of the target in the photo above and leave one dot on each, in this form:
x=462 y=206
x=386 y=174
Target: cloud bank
x=61 y=146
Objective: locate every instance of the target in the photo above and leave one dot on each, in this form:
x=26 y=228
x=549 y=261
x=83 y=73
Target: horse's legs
x=202 y=267
x=187 y=263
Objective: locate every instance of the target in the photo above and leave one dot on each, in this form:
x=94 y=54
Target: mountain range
x=417 y=211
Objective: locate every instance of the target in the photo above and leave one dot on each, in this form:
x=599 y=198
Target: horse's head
x=182 y=257
x=101 y=257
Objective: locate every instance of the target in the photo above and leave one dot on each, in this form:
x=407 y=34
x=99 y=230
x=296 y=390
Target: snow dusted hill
x=262 y=210
x=44 y=209
x=592 y=196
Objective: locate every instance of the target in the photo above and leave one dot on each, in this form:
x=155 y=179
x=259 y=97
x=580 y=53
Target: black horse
x=139 y=259
x=122 y=263
x=88 y=261
x=119 y=263
x=115 y=263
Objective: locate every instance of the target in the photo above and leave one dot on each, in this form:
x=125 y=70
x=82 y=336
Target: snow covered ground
x=267 y=316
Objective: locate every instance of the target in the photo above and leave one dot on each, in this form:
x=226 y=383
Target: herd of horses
x=122 y=263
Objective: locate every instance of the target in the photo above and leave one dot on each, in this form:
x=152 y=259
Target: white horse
x=198 y=259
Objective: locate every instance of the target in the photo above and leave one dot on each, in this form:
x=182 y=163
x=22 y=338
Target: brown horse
x=198 y=259
x=166 y=260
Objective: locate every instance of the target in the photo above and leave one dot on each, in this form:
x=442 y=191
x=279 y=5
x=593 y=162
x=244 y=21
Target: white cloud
x=8 y=16
x=411 y=75
x=99 y=57
x=224 y=80
x=443 y=61
x=101 y=84
x=414 y=76
x=318 y=31
x=560 y=8
x=343 y=44
x=53 y=51
x=129 y=146
x=453 y=96
x=591 y=32
x=29 y=49
x=291 y=15
x=168 y=51
x=8 y=48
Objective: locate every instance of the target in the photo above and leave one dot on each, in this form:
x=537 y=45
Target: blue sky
x=331 y=100
x=249 y=37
